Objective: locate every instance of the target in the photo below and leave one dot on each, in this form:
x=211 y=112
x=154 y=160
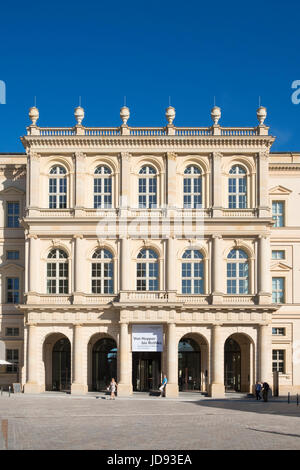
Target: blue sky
x=148 y=51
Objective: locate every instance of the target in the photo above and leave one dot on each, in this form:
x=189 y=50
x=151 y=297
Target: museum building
x=133 y=252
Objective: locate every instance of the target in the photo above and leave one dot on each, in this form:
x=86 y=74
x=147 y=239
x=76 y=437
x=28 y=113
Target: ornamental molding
x=284 y=167
x=164 y=142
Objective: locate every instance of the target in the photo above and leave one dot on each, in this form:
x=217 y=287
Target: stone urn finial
x=215 y=114
x=170 y=115
x=124 y=114
x=79 y=115
x=34 y=115
x=261 y=114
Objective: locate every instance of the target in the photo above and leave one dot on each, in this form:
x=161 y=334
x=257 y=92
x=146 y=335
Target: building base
x=217 y=391
x=171 y=390
x=79 y=389
x=32 y=387
x=124 y=390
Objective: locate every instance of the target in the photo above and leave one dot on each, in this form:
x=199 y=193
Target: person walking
x=258 y=390
x=163 y=385
x=265 y=391
x=113 y=388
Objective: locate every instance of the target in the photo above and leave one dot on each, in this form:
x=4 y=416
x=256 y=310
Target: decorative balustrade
x=238 y=299
x=146 y=131
x=56 y=131
x=239 y=212
x=105 y=131
x=99 y=299
x=238 y=131
x=143 y=296
x=192 y=299
x=193 y=131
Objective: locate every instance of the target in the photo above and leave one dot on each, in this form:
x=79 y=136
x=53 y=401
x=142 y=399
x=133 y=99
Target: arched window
x=57 y=188
x=147 y=188
x=237 y=188
x=102 y=188
x=57 y=272
x=192 y=279
x=192 y=188
x=102 y=272
x=237 y=272
x=147 y=270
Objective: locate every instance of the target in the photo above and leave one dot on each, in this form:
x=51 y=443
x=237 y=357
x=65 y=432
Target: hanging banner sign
x=147 y=338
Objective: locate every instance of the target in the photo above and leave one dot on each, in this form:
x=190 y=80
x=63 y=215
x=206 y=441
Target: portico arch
x=238 y=363
x=57 y=361
x=193 y=363
x=102 y=361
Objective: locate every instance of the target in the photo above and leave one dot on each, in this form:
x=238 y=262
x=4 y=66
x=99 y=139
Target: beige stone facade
x=170 y=227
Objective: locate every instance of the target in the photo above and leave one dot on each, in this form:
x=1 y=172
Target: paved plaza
x=54 y=421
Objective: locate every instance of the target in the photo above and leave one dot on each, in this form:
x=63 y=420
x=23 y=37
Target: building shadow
x=274 y=406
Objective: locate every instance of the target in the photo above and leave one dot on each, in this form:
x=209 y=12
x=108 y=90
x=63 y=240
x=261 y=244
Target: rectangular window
x=278 y=254
x=13 y=254
x=13 y=214
x=12 y=290
x=278 y=290
x=278 y=331
x=12 y=355
x=12 y=332
x=278 y=363
x=278 y=213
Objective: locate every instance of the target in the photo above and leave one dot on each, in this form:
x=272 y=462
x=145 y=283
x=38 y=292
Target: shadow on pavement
x=274 y=406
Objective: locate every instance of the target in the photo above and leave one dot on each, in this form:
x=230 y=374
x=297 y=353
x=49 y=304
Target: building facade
x=137 y=252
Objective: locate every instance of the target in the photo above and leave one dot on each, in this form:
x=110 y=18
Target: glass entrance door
x=232 y=363
x=189 y=365
x=146 y=371
x=61 y=365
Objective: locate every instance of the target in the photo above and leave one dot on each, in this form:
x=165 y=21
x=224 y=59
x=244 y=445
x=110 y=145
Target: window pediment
x=12 y=190
x=280 y=267
x=280 y=190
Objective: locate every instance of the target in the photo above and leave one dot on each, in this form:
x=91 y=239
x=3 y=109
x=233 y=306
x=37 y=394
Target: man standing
x=258 y=390
x=163 y=385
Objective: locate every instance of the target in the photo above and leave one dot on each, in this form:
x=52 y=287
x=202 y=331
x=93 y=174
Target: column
x=172 y=189
x=263 y=184
x=32 y=385
x=217 y=269
x=79 y=385
x=125 y=385
x=80 y=180
x=217 y=388
x=217 y=184
x=264 y=275
x=125 y=267
x=34 y=178
x=265 y=354
x=125 y=180
x=34 y=264
x=172 y=362
x=79 y=280
x=171 y=264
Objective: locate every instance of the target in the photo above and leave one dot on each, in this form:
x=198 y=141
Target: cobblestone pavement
x=190 y=422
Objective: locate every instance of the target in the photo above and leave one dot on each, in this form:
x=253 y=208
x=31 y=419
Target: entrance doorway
x=232 y=363
x=61 y=365
x=189 y=365
x=104 y=363
x=146 y=371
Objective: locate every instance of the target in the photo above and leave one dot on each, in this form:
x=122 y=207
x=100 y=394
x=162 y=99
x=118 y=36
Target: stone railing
x=143 y=296
x=239 y=212
x=147 y=131
x=238 y=299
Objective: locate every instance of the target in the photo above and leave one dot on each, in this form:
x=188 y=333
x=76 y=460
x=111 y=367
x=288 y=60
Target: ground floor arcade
x=209 y=358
